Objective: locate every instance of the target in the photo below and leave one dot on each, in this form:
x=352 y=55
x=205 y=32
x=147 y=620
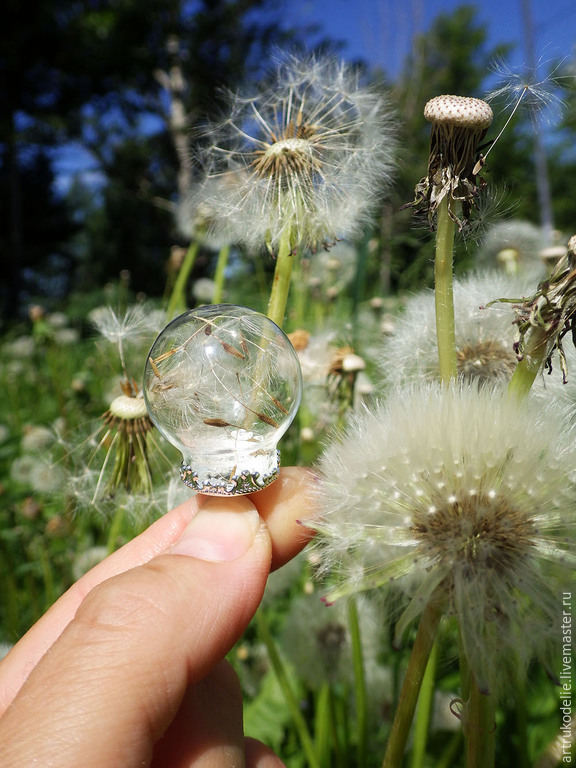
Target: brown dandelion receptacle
x=485 y=361
x=474 y=533
x=459 y=125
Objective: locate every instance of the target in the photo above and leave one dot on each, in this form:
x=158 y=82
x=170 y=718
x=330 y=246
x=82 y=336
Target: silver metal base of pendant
x=233 y=485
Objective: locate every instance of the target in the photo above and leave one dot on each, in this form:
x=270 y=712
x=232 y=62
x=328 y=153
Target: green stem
x=425 y=702
x=444 y=296
x=411 y=686
x=177 y=302
x=287 y=690
x=282 y=276
x=479 y=729
x=221 y=264
x=359 y=684
x=323 y=724
x=115 y=532
x=528 y=368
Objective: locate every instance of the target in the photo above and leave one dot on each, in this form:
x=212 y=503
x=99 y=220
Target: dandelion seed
x=497 y=558
x=517 y=86
x=137 y=325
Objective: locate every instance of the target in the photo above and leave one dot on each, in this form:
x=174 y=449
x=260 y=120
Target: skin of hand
x=127 y=668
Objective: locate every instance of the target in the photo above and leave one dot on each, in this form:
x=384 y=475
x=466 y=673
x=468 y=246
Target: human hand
x=126 y=668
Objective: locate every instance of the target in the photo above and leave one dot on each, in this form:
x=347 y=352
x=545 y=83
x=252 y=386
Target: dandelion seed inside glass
x=223 y=383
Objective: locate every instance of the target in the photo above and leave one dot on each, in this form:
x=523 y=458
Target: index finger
x=281 y=505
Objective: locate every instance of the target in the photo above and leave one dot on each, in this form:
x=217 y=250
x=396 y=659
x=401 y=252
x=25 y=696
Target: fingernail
x=222 y=530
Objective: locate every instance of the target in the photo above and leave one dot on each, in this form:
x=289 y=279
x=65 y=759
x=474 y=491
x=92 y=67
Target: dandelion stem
x=323 y=723
x=221 y=263
x=444 y=296
x=359 y=684
x=479 y=729
x=528 y=368
x=411 y=686
x=287 y=690
x=282 y=276
x=177 y=302
x=424 y=709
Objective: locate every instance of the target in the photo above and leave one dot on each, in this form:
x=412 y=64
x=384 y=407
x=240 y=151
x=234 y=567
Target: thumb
x=119 y=671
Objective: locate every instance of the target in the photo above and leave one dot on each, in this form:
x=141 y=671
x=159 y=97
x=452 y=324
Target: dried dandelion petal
x=223 y=383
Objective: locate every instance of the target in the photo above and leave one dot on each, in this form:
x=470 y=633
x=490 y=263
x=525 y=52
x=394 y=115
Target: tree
x=98 y=72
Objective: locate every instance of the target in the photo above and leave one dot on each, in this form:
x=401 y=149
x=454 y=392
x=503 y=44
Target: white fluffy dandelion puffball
x=223 y=383
x=466 y=495
x=304 y=157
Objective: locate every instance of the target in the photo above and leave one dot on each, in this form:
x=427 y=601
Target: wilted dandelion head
x=551 y=311
x=484 y=335
x=126 y=425
x=305 y=156
x=458 y=126
x=463 y=496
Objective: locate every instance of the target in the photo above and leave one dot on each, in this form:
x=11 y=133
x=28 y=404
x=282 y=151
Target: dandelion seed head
x=484 y=335
x=459 y=124
x=513 y=246
x=36 y=438
x=316 y=639
x=458 y=519
x=306 y=155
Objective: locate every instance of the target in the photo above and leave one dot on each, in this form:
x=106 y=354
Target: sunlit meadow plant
x=301 y=162
x=120 y=466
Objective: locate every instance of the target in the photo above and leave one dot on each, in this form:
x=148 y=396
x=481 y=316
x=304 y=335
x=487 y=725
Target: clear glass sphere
x=223 y=383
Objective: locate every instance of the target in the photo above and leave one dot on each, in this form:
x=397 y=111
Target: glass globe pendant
x=223 y=383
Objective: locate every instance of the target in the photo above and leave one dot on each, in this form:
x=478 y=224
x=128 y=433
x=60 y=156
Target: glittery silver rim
x=241 y=482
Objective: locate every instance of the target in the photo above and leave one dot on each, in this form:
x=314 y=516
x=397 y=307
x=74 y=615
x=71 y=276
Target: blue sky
x=381 y=30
